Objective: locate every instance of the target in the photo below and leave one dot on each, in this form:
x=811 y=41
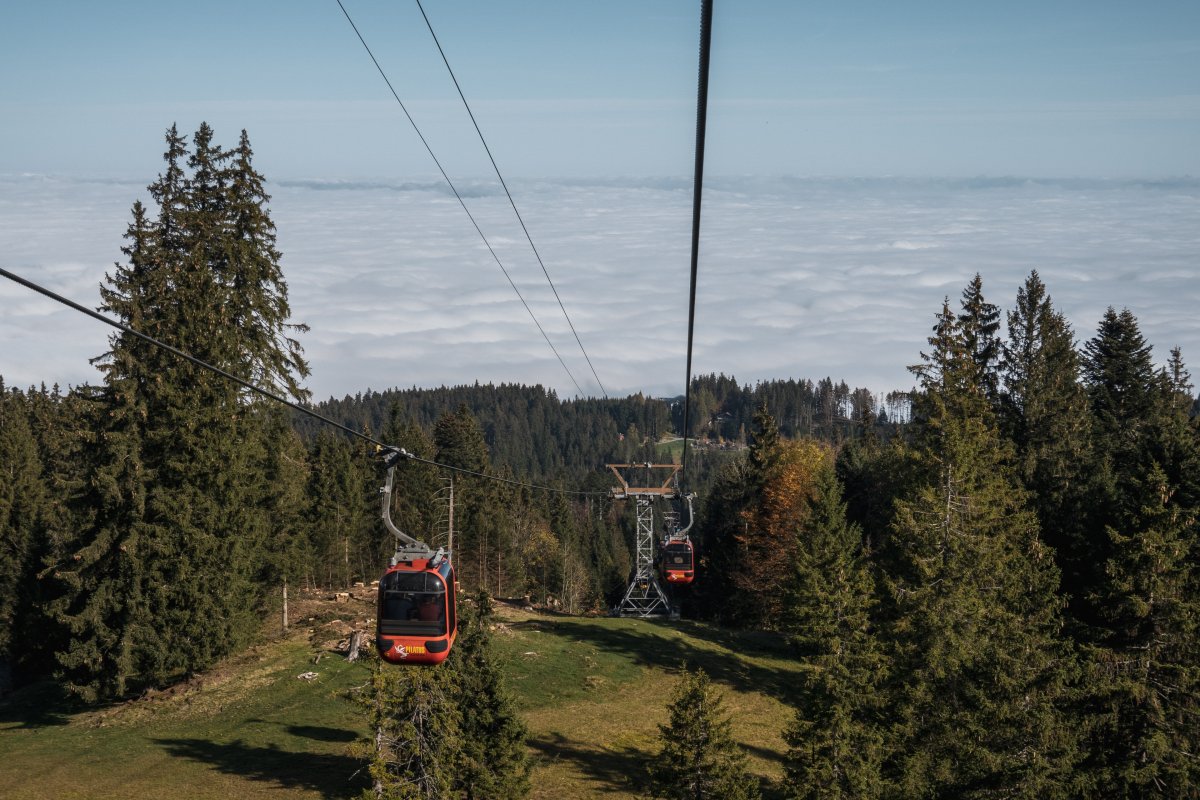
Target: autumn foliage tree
x=783 y=477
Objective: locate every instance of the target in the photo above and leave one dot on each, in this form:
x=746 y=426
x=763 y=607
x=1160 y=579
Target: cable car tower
x=645 y=596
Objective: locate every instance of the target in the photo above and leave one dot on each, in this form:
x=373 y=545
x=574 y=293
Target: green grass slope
x=592 y=690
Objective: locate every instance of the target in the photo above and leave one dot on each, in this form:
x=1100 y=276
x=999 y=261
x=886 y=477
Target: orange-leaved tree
x=783 y=476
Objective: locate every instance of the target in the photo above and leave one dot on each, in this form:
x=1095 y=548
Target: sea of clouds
x=797 y=277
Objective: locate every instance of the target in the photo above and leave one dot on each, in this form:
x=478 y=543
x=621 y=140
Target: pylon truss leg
x=644 y=597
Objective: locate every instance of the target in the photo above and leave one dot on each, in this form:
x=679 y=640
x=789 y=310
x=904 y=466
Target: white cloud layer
x=798 y=277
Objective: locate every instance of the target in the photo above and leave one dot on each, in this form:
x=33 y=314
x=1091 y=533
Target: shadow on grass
x=322 y=734
x=765 y=644
x=620 y=772
x=765 y=753
x=334 y=776
x=623 y=772
x=650 y=643
x=39 y=705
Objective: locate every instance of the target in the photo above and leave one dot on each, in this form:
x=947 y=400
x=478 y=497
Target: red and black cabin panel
x=678 y=561
x=417 y=620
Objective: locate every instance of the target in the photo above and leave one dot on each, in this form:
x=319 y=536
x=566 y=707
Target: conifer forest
x=990 y=581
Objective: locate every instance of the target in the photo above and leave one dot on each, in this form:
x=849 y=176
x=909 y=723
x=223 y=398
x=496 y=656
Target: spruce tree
x=22 y=515
x=493 y=763
x=1176 y=443
x=261 y=313
x=835 y=738
x=98 y=600
x=873 y=474
x=100 y=584
x=341 y=484
x=979 y=322
x=1124 y=395
x=1120 y=376
x=459 y=442
x=1146 y=669
x=715 y=534
x=61 y=425
x=283 y=472
x=414 y=742
x=1044 y=413
x=1145 y=662
x=980 y=672
x=764 y=450
x=166 y=576
x=699 y=759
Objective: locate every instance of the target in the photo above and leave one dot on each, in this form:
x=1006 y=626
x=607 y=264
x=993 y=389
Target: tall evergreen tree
x=1044 y=413
x=979 y=322
x=340 y=486
x=873 y=473
x=493 y=763
x=100 y=597
x=1176 y=443
x=284 y=472
x=261 y=313
x=1146 y=674
x=61 y=424
x=415 y=739
x=1145 y=679
x=99 y=605
x=1123 y=391
x=699 y=759
x=22 y=521
x=167 y=576
x=980 y=671
x=835 y=738
x=720 y=522
x=1124 y=395
x=460 y=443
x=764 y=450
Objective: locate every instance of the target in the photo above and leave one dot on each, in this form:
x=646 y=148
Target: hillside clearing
x=592 y=690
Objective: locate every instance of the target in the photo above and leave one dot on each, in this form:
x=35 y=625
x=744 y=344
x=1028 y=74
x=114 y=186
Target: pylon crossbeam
x=667 y=489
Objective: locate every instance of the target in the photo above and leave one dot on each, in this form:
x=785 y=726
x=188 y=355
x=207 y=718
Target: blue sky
x=1099 y=89
x=835 y=220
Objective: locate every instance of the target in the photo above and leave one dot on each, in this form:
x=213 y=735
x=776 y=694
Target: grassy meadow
x=592 y=690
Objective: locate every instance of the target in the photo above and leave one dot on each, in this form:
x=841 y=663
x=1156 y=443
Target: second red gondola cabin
x=678 y=561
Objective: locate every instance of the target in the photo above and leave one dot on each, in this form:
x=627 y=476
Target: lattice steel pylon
x=645 y=596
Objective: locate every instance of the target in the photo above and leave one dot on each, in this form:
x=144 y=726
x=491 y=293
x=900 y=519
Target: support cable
x=697 y=190
x=508 y=194
x=270 y=395
x=458 y=196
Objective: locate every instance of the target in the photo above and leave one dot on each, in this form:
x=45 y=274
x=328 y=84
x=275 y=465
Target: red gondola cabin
x=416 y=623
x=678 y=561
